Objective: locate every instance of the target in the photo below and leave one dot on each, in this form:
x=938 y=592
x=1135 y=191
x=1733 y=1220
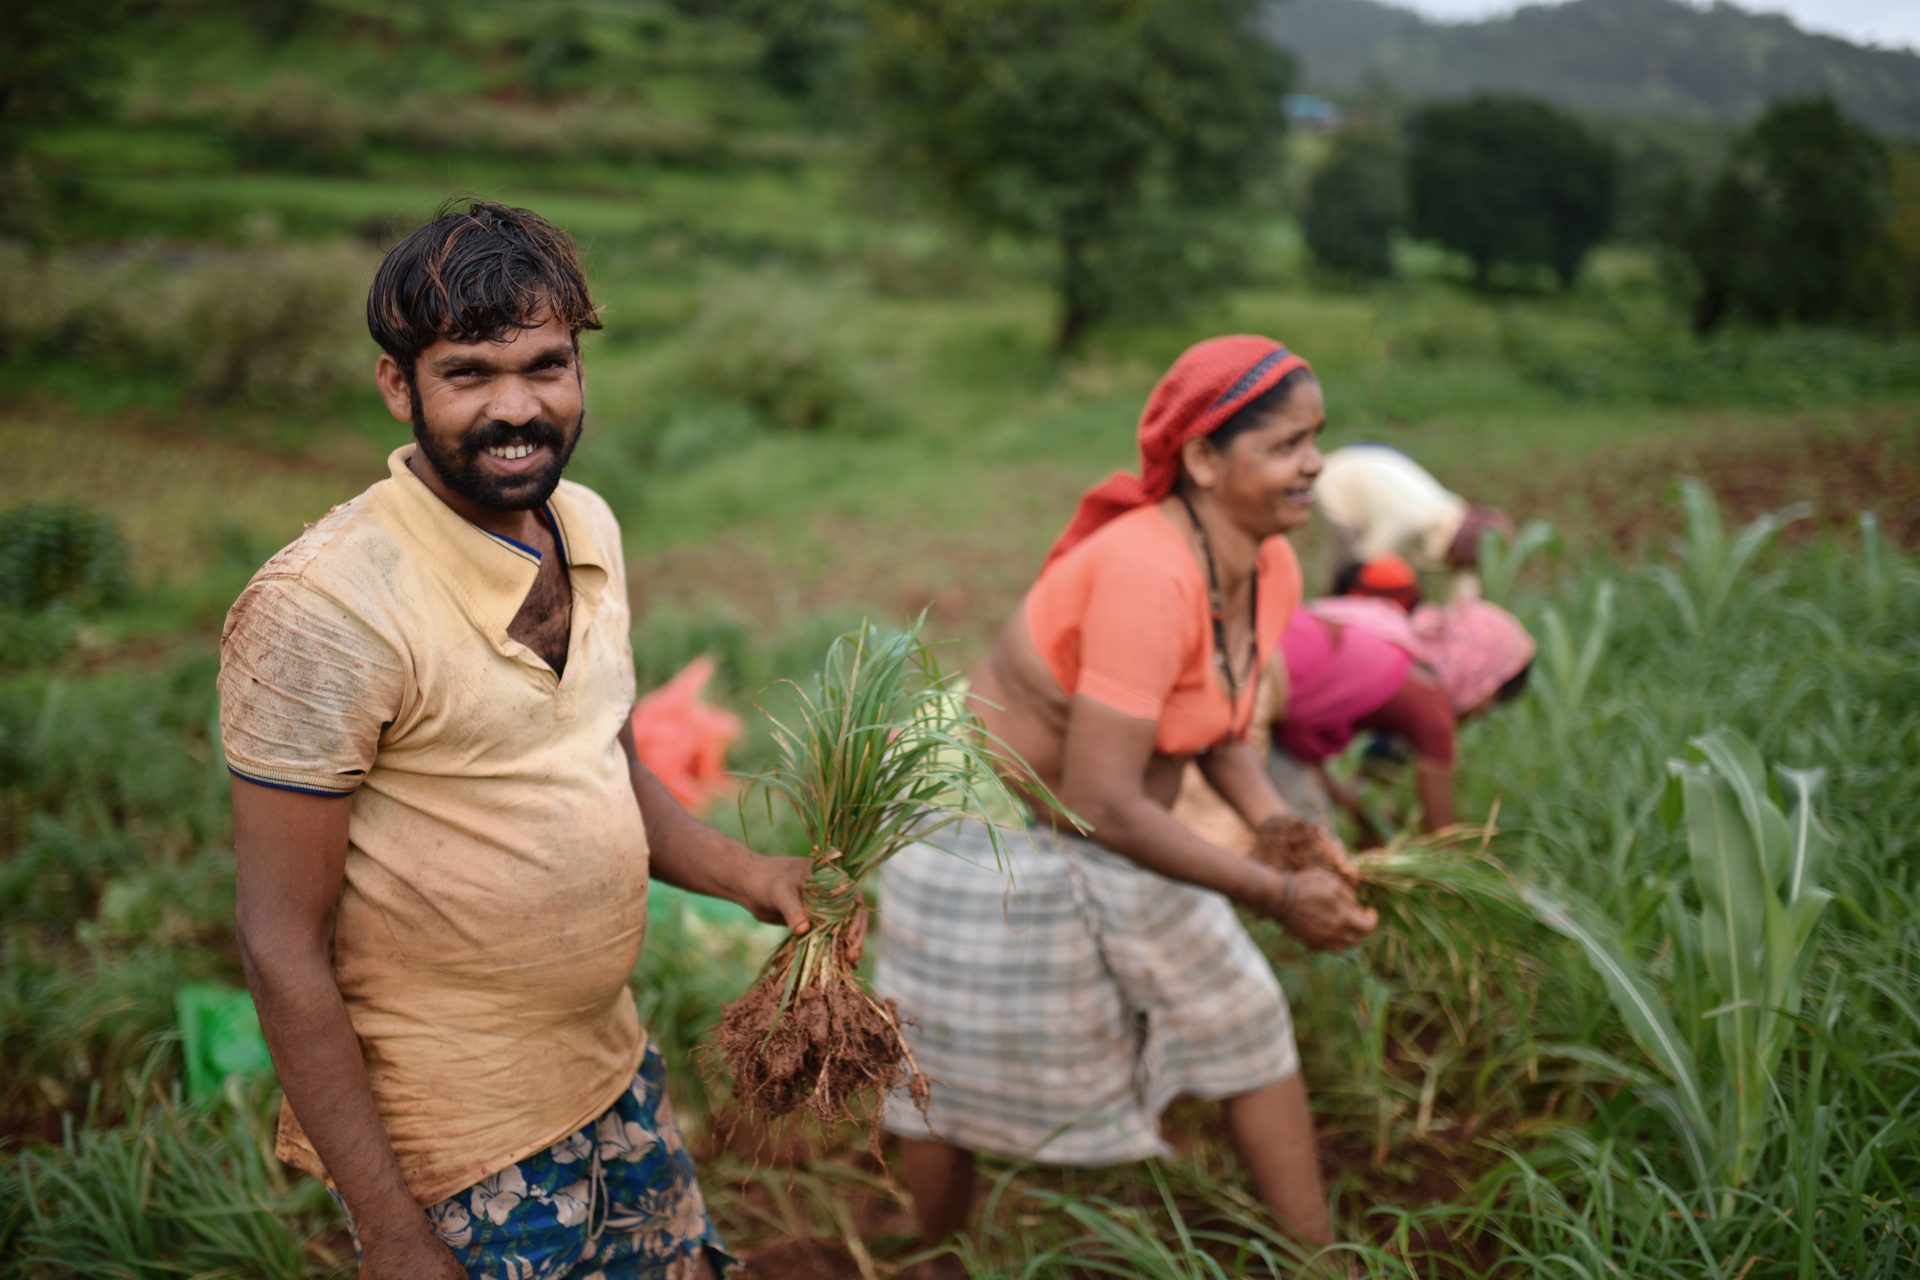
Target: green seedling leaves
x=1640 y=1005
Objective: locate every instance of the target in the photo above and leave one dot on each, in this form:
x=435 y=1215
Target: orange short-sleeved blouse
x=1123 y=619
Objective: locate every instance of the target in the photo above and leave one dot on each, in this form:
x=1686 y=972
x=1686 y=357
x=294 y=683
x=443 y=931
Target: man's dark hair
x=471 y=274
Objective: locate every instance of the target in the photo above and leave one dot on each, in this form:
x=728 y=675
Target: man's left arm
x=688 y=854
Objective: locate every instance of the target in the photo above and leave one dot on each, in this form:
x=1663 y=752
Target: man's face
x=497 y=420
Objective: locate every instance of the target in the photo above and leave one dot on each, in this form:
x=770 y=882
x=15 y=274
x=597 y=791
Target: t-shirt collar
x=492 y=573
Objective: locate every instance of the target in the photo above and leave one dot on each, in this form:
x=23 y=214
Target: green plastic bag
x=220 y=1036
x=669 y=900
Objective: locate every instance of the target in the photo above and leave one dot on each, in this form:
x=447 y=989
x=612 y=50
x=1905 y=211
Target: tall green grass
x=1493 y=1111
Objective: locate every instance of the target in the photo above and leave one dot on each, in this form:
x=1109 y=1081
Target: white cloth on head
x=1381 y=502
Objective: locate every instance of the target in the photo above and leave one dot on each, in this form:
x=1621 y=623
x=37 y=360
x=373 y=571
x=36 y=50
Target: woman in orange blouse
x=1060 y=1016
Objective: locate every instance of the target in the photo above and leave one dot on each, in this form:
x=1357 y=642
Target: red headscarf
x=1388 y=577
x=1208 y=383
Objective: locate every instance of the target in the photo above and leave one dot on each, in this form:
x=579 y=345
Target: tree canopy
x=1356 y=204
x=1510 y=180
x=1120 y=131
x=1797 y=228
x=57 y=63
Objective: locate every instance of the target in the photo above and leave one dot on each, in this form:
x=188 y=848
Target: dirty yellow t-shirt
x=496 y=876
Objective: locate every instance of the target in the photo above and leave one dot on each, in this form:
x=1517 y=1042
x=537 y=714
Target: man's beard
x=461 y=469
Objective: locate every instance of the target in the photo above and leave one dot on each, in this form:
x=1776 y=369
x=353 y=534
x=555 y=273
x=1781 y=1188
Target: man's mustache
x=496 y=435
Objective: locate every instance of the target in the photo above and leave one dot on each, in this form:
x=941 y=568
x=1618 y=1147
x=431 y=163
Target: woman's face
x=1264 y=480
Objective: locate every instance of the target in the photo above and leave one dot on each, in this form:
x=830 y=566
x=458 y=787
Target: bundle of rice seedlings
x=1443 y=896
x=883 y=752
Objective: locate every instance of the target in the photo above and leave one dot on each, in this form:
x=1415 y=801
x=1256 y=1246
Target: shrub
x=595 y=127
x=54 y=553
x=1356 y=204
x=689 y=433
x=273 y=325
x=558 y=49
x=298 y=124
x=776 y=347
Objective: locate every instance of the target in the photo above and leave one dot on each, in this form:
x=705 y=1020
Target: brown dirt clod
x=834 y=1052
x=1288 y=844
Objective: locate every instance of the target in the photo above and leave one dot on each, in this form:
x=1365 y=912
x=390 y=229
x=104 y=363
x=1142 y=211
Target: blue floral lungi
x=616 y=1200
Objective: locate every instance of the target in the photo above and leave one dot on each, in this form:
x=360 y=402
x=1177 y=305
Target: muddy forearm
x=1148 y=834
x=1238 y=774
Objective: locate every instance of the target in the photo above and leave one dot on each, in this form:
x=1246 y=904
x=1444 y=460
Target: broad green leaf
x=1726 y=872
x=1740 y=767
x=1809 y=845
x=1755 y=536
x=1676 y=590
x=1640 y=1006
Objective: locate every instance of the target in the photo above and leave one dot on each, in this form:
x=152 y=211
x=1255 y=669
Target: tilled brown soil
x=1627 y=498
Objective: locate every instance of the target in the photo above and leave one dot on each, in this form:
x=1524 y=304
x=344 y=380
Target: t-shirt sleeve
x=1135 y=636
x=306 y=688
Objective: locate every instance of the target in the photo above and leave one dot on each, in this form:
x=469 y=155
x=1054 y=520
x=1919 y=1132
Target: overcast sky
x=1886 y=22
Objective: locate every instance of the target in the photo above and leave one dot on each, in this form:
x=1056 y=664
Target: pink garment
x=1471 y=647
x=1335 y=679
x=1375 y=615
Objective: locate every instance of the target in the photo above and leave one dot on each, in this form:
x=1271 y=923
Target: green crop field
x=816 y=400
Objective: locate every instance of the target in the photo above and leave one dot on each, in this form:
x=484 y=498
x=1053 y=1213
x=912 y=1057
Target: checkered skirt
x=1058 y=1010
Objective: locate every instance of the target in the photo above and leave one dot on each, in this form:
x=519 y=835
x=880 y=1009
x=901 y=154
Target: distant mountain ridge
x=1647 y=58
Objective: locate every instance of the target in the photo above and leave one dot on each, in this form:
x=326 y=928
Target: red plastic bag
x=684 y=740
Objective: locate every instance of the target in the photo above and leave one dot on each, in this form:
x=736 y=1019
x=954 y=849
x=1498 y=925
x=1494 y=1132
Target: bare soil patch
x=1625 y=500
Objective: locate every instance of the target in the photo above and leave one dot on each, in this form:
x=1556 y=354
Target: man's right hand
x=413 y=1255
x=1319 y=908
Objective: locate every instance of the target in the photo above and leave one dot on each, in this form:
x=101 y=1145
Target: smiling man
x=443 y=833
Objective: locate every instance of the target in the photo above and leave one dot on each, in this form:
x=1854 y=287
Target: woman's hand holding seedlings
x=1296 y=844
x=1334 y=857
x=1317 y=906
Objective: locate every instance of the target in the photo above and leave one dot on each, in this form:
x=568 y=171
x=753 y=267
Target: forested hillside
x=1653 y=58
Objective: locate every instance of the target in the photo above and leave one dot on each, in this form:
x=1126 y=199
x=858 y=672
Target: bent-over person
x=1380 y=502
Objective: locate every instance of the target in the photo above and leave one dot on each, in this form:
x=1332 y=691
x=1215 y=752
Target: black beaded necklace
x=1217 y=610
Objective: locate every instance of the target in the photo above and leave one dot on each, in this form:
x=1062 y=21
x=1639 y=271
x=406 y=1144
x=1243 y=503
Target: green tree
x=1123 y=132
x=1797 y=228
x=803 y=43
x=557 y=46
x=1356 y=205
x=1905 y=227
x=1510 y=180
x=57 y=63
